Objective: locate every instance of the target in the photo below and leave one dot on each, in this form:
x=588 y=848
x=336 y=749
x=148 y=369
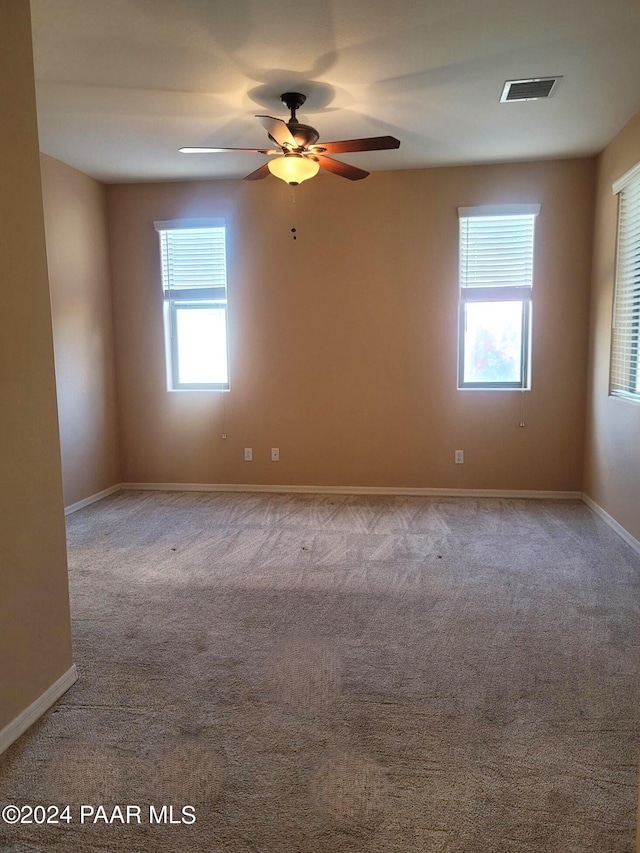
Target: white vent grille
x=529 y=90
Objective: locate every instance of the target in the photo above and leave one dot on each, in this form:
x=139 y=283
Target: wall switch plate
x=248 y=454
x=459 y=457
x=275 y=454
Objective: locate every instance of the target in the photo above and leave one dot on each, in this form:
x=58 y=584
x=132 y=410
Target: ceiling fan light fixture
x=293 y=168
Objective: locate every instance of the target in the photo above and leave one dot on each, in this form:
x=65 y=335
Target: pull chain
x=224 y=417
x=293 y=212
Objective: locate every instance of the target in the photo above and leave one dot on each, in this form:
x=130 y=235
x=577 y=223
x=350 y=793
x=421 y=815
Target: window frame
x=172 y=307
x=191 y=298
x=523 y=383
x=626 y=292
x=520 y=293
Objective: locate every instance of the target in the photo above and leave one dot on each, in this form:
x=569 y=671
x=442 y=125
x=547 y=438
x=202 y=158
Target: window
x=194 y=283
x=625 y=337
x=496 y=277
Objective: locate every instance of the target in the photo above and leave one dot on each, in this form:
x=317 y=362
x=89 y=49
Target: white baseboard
x=353 y=490
x=613 y=524
x=27 y=718
x=92 y=499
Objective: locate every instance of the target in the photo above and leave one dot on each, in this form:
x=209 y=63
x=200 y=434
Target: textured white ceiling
x=122 y=84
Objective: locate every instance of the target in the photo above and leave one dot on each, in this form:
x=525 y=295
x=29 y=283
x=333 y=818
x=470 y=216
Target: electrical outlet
x=275 y=454
x=459 y=457
x=248 y=454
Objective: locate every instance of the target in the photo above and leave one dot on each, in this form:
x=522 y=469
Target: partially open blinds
x=496 y=251
x=193 y=259
x=625 y=339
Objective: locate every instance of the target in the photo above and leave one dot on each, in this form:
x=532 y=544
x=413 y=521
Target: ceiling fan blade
x=278 y=130
x=260 y=173
x=221 y=150
x=342 y=169
x=372 y=143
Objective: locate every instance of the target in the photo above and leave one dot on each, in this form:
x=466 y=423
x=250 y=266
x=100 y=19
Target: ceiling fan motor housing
x=303 y=134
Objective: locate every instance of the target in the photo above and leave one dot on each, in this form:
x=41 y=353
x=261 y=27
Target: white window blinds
x=193 y=259
x=496 y=250
x=625 y=338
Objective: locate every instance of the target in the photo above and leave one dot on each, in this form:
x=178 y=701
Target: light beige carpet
x=321 y=674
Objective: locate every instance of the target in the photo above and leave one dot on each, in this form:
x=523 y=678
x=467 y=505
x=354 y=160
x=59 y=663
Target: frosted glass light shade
x=293 y=168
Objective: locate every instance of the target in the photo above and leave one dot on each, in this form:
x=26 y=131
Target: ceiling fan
x=298 y=156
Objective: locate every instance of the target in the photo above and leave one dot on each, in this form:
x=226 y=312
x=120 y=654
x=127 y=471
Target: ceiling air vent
x=529 y=90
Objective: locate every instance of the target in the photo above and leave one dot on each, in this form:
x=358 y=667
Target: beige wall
x=612 y=457
x=35 y=646
x=344 y=343
x=78 y=258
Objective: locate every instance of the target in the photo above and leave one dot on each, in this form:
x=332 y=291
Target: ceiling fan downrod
x=293 y=101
